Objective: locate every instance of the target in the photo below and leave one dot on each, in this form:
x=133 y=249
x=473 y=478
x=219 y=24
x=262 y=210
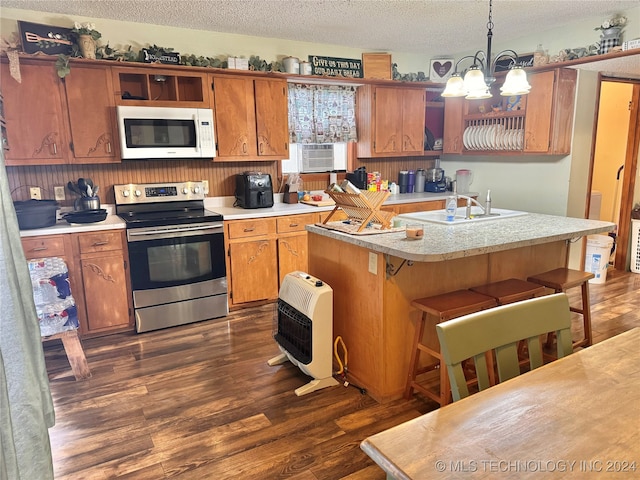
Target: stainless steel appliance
x=165 y=132
x=254 y=190
x=176 y=254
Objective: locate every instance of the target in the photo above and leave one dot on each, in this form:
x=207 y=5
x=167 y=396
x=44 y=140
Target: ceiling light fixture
x=480 y=76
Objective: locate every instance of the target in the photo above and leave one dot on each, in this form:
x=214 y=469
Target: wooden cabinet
x=292 y=243
x=391 y=121
x=103 y=262
x=50 y=121
x=160 y=87
x=92 y=115
x=35 y=114
x=261 y=252
x=252 y=260
x=251 y=118
x=538 y=123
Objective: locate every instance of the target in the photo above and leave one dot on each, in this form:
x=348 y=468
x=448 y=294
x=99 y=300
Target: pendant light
x=478 y=78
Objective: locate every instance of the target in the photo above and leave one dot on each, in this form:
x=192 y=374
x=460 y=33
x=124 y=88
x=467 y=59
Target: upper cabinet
x=35 y=114
x=91 y=115
x=391 y=121
x=160 y=87
x=251 y=118
x=538 y=123
x=53 y=121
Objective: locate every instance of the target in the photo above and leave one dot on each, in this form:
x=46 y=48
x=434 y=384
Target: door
x=388 y=120
x=271 y=118
x=235 y=118
x=91 y=114
x=36 y=126
x=413 y=111
x=538 y=119
x=254 y=270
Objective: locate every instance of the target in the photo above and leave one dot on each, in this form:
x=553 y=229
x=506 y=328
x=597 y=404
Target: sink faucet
x=486 y=210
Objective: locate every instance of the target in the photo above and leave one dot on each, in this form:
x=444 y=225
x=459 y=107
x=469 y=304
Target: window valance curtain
x=322 y=113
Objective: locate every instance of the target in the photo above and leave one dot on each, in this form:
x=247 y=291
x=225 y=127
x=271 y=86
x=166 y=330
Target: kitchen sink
x=440 y=216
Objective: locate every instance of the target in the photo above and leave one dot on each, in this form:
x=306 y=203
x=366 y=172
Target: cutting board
x=319 y=203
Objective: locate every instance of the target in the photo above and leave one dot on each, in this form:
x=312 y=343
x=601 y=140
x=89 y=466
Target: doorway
x=614 y=160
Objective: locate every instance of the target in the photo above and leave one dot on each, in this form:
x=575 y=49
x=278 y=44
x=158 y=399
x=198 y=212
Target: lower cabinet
x=260 y=252
x=98 y=276
x=105 y=280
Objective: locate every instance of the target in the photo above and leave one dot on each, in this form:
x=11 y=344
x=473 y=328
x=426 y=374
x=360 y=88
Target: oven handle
x=133 y=233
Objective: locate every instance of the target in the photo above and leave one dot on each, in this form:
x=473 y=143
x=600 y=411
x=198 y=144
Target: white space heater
x=304 y=329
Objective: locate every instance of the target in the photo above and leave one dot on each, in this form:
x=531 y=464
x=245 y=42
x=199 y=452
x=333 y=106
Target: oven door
x=174 y=256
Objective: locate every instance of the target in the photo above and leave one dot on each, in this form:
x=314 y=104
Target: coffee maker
x=254 y=190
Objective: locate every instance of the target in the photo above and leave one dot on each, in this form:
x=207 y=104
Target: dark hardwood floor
x=200 y=402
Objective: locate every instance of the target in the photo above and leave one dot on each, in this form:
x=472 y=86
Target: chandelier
x=480 y=76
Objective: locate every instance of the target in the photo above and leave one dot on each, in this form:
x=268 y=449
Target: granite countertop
x=447 y=242
x=223 y=206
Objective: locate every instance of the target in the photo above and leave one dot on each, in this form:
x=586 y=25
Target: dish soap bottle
x=452 y=206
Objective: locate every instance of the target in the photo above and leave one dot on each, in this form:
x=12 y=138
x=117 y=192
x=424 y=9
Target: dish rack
x=363 y=207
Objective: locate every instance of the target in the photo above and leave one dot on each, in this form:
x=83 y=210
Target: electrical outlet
x=35 y=193
x=205 y=186
x=59 y=193
x=373 y=263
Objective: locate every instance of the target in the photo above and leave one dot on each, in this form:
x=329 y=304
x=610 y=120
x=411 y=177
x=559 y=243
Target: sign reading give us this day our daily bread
x=336 y=67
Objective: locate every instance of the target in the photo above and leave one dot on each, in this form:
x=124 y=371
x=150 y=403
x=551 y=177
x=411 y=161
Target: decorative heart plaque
x=441 y=70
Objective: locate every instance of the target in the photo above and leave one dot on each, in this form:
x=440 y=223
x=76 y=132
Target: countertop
x=224 y=206
x=446 y=242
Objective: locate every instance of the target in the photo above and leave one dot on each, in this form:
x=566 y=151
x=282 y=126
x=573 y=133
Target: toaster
x=254 y=190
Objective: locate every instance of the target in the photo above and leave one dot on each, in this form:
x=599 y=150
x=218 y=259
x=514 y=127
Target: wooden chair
x=562 y=279
x=500 y=329
x=439 y=308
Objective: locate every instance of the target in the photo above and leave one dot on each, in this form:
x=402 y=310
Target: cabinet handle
x=261 y=148
x=249 y=229
x=55 y=149
x=39 y=249
x=293 y=225
x=99 y=244
x=108 y=147
x=244 y=148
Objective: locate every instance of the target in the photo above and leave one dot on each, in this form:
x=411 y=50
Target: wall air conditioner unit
x=316 y=157
x=304 y=329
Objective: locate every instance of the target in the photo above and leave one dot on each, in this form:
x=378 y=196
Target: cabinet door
x=105 y=285
x=235 y=118
x=91 y=114
x=36 y=123
x=292 y=255
x=272 y=125
x=538 y=119
x=388 y=120
x=254 y=270
x=453 y=125
x=413 y=114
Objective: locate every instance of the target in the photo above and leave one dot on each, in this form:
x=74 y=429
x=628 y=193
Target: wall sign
x=523 y=61
x=336 y=67
x=171 y=58
x=441 y=69
x=48 y=39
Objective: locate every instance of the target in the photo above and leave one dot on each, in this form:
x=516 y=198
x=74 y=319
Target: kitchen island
x=375 y=278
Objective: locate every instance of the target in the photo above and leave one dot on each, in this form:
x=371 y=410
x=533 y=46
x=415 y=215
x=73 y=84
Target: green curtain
x=26 y=407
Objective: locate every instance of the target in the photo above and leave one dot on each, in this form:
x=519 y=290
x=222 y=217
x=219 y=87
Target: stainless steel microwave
x=166 y=132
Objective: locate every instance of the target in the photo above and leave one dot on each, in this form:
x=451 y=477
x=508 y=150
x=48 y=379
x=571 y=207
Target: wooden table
x=576 y=417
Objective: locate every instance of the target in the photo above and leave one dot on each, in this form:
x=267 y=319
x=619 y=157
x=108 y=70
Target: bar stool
x=562 y=279
x=512 y=290
x=443 y=307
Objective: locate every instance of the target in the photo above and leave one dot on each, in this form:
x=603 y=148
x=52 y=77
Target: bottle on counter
x=452 y=206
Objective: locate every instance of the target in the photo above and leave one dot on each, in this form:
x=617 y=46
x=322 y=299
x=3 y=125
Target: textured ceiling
x=411 y=26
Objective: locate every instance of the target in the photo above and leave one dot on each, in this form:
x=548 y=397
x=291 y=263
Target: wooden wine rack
x=363 y=207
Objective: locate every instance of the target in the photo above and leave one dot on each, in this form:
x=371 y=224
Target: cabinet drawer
x=251 y=228
x=37 y=247
x=100 y=241
x=294 y=223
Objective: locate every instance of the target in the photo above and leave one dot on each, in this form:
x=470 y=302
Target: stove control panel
x=158 y=192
